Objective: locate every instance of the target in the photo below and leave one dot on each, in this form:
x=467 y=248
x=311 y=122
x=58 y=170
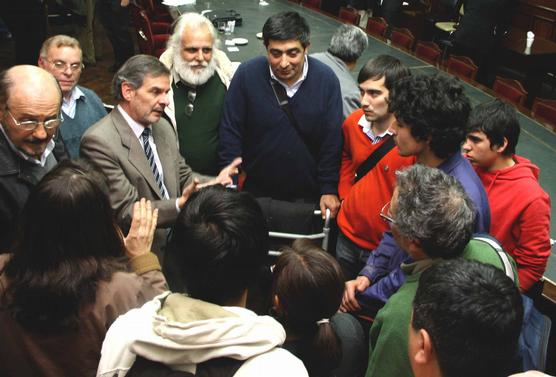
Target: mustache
x=196 y=64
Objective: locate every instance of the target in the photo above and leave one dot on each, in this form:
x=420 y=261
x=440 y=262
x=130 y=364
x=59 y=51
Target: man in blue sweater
x=81 y=108
x=283 y=116
x=431 y=115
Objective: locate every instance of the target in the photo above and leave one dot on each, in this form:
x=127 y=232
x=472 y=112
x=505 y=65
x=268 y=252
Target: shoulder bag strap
x=282 y=98
x=374 y=158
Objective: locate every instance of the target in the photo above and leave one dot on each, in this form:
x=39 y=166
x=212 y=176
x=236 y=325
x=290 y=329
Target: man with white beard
x=200 y=77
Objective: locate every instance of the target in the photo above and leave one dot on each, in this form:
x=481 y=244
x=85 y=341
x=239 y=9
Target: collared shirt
x=138 y=130
x=69 y=105
x=291 y=90
x=49 y=148
x=367 y=130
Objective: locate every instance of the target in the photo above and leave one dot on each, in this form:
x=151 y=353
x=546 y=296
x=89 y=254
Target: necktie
x=150 y=157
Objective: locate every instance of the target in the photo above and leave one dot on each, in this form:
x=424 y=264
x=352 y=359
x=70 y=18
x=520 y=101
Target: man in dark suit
x=138 y=151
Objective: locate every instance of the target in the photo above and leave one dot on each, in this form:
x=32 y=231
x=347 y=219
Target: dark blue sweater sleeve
x=232 y=122
x=383 y=269
x=331 y=147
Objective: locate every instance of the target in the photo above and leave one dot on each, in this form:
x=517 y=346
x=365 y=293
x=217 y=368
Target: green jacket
x=389 y=334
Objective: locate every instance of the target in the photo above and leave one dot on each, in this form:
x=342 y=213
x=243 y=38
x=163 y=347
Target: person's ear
x=128 y=91
x=306 y=51
x=502 y=147
x=414 y=248
x=41 y=62
x=425 y=350
x=276 y=303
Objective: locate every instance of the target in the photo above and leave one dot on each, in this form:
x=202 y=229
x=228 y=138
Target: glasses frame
x=25 y=125
x=74 y=67
x=387 y=216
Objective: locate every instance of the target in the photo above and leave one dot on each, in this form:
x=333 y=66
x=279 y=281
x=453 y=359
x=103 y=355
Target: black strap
x=374 y=158
x=282 y=98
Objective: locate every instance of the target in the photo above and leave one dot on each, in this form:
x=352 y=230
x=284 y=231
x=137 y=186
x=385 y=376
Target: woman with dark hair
x=67 y=279
x=307 y=289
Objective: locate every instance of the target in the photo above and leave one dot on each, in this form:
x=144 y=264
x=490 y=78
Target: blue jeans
x=351 y=257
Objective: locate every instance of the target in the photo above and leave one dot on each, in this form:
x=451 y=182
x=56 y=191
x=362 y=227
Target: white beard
x=190 y=76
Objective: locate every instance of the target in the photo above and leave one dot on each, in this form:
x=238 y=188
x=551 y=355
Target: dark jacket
x=16 y=182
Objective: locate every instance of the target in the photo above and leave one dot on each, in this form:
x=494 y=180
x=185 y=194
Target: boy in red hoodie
x=519 y=207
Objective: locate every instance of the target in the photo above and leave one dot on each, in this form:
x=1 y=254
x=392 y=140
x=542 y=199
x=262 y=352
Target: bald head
x=29 y=93
x=31 y=81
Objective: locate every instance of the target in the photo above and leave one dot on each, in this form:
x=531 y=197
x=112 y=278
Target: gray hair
x=58 y=41
x=434 y=209
x=5 y=84
x=134 y=71
x=348 y=43
x=192 y=21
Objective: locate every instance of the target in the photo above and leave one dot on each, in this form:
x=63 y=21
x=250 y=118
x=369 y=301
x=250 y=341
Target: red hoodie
x=520 y=216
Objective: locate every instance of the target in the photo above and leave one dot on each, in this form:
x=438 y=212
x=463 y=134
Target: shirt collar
x=135 y=127
x=298 y=82
x=76 y=93
x=49 y=148
x=366 y=127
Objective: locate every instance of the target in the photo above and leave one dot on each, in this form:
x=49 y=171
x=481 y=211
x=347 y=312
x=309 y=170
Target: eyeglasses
x=62 y=66
x=386 y=215
x=191 y=94
x=30 y=125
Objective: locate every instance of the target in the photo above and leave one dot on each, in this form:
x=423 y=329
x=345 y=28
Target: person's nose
x=164 y=100
x=365 y=100
x=466 y=146
x=40 y=132
x=284 y=62
x=199 y=56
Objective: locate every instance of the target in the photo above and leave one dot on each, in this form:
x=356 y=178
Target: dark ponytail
x=309 y=285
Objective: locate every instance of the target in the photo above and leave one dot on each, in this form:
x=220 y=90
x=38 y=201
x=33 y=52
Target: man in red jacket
x=520 y=209
x=363 y=195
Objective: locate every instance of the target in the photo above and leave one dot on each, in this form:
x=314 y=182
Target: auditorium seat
x=462 y=66
x=510 y=90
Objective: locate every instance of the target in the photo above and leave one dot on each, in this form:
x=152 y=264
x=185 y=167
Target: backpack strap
x=500 y=252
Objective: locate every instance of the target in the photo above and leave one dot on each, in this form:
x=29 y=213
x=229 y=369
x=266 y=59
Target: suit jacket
x=112 y=145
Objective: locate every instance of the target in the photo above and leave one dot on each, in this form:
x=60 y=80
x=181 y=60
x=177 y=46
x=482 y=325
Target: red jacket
x=520 y=216
x=359 y=217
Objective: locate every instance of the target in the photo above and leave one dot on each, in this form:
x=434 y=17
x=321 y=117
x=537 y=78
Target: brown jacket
x=76 y=352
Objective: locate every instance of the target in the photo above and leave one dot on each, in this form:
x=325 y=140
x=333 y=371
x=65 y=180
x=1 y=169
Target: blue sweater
x=89 y=110
x=383 y=266
x=275 y=157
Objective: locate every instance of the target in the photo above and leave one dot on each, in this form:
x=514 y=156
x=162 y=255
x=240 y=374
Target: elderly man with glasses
x=81 y=107
x=30 y=102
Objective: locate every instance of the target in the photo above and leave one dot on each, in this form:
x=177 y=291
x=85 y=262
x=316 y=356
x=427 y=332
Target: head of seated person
x=67 y=242
x=307 y=290
x=219 y=244
x=430 y=214
x=466 y=321
x=30 y=100
x=61 y=55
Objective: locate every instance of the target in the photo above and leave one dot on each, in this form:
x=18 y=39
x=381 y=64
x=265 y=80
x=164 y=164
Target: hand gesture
x=141 y=233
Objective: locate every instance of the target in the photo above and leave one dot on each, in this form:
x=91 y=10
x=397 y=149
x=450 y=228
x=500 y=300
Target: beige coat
x=112 y=145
